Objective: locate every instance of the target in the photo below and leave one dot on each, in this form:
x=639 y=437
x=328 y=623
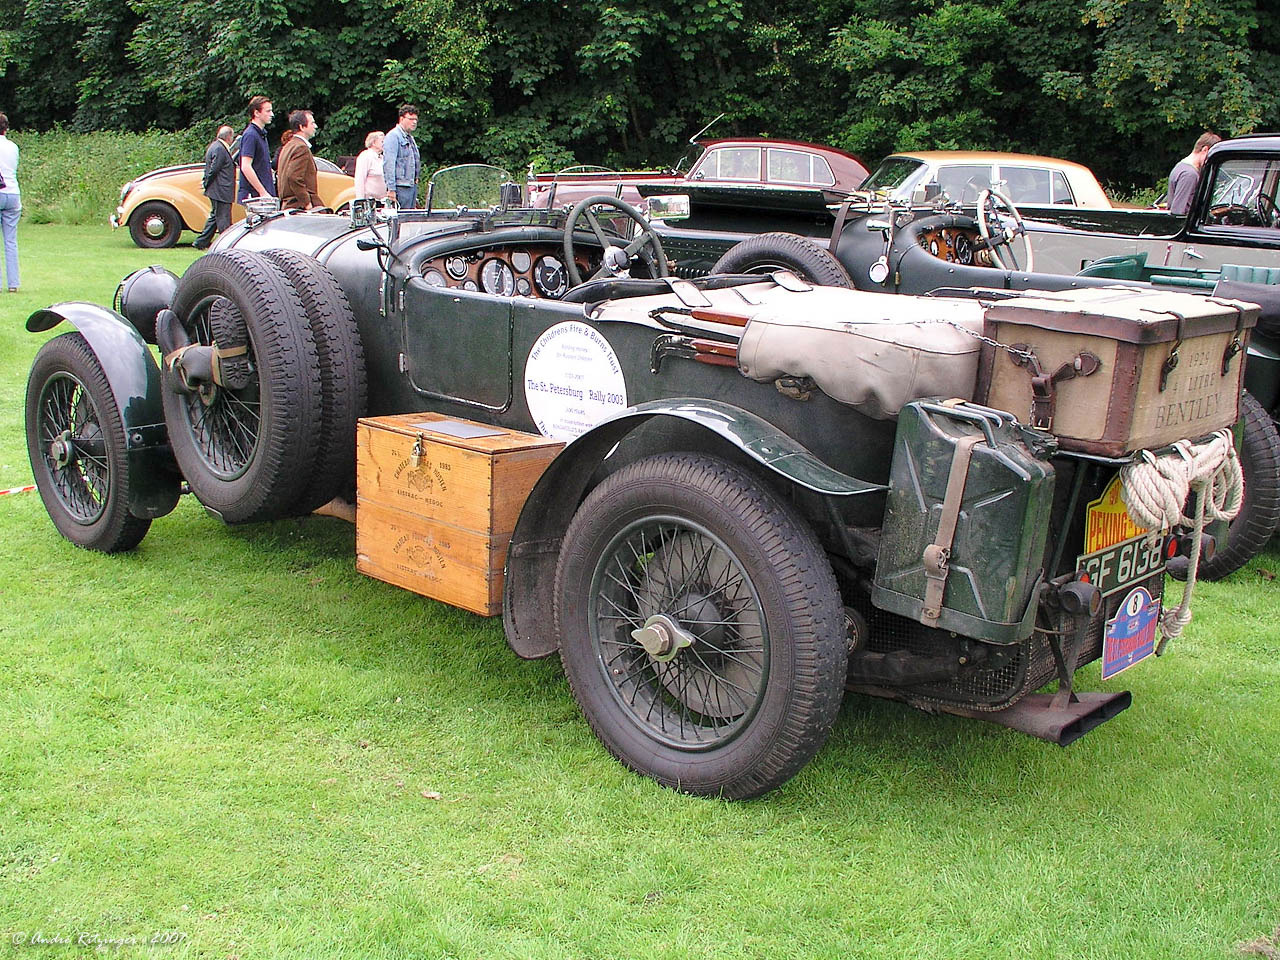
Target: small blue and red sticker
x=1131 y=633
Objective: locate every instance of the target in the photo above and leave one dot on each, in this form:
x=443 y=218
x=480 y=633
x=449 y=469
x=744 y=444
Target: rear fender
x=528 y=606
x=134 y=377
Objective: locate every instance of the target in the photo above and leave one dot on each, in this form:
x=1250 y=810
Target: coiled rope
x=1155 y=490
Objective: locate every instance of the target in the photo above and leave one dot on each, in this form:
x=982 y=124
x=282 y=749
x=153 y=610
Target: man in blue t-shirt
x=256 y=179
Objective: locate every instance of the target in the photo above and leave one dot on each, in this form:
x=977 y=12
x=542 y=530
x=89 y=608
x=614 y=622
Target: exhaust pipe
x=1036 y=716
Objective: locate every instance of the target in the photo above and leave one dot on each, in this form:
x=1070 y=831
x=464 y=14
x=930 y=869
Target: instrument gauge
x=550 y=278
x=964 y=250
x=521 y=260
x=933 y=247
x=496 y=278
x=470 y=285
x=457 y=267
x=435 y=278
x=522 y=287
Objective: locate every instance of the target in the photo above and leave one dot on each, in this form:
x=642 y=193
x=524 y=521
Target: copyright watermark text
x=85 y=938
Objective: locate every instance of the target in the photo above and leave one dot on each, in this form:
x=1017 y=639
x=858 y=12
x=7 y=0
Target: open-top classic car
x=769 y=491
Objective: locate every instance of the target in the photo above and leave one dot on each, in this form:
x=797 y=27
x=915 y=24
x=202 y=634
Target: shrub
x=76 y=177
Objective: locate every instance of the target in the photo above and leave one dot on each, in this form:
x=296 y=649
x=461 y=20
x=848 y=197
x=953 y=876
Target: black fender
x=528 y=612
x=134 y=377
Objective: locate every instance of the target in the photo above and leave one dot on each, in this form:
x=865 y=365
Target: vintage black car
x=773 y=491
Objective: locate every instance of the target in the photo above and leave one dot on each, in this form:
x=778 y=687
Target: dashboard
x=536 y=270
x=956 y=245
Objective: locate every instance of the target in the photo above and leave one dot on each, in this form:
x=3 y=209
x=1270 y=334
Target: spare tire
x=1259 y=514
x=785 y=251
x=343 y=385
x=246 y=446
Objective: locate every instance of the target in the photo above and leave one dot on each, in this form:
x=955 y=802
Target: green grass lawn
x=232 y=736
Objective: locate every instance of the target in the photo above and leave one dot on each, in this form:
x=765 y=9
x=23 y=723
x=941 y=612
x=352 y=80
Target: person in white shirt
x=370 y=183
x=10 y=203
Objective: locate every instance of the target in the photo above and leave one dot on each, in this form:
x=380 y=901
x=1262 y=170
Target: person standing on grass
x=219 y=186
x=296 y=167
x=256 y=179
x=10 y=203
x=401 y=164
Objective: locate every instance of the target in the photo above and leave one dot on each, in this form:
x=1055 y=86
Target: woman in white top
x=369 y=181
x=10 y=203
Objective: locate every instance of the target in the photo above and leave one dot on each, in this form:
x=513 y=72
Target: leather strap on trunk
x=937 y=556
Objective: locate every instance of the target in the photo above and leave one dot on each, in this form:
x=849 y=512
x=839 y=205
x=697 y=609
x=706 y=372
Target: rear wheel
x=785 y=251
x=155 y=224
x=700 y=626
x=76 y=442
x=246 y=439
x=1259 y=514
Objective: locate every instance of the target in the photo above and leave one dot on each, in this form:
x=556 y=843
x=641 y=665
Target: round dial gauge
x=549 y=277
x=522 y=287
x=520 y=260
x=435 y=278
x=964 y=250
x=933 y=247
x=457 y=267
x=470 y=285
x=496 y=278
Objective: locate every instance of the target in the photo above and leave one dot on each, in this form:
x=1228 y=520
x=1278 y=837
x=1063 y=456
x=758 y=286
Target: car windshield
x=476 y=186
x=892 y=174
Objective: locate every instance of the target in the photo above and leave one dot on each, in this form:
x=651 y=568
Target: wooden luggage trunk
x=1117 y=369
x=437 y=502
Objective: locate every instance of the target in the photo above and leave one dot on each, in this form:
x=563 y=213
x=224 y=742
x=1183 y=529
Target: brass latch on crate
x=1043 y=386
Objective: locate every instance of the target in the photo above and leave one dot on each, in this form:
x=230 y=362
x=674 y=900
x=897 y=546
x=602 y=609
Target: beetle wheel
x=76 y=442
x=155 y=225
x=245 y=440
x=700 y=625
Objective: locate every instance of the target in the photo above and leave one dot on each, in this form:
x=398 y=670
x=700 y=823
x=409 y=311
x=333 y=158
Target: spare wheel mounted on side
x=343 y=384
x=242 y=388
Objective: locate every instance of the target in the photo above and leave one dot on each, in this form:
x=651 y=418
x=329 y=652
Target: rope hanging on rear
x=1155 y=490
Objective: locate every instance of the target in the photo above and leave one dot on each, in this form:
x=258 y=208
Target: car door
x=457 y=344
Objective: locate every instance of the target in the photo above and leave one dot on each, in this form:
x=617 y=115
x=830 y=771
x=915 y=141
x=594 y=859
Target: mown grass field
x=232 y=737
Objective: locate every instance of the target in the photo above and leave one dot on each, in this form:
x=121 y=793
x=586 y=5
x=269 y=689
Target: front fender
x=528 y=600
x=194 y=210
x=134 y=377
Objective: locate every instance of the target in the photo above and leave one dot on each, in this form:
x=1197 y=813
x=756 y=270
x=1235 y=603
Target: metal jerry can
x=962 y=547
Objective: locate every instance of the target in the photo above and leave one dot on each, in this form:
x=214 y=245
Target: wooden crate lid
x=1129 y=314
x=456 y=432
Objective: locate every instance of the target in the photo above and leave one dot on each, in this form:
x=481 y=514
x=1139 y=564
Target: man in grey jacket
x=401 y=164
x=219 y=186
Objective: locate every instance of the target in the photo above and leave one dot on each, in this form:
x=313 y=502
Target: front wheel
x=77 y=446
x=155 y=224
x=700 y=627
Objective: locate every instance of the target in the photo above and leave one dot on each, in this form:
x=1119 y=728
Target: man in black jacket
x=219 y=186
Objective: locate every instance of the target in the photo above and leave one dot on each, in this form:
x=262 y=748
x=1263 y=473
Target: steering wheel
x=993 y=206
x=1267 y=211
x=617 y=260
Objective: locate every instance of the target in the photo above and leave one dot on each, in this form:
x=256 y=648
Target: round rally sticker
x=572 y=380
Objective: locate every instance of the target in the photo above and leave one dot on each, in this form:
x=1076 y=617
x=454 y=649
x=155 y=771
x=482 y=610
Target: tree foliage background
x=1124 y=86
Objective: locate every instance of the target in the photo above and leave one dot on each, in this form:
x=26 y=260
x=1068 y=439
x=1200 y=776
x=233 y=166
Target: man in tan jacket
x=296 y=167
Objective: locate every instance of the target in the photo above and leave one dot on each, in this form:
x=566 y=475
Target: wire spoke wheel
x=72 y=448
x=223 y=422
x=700 y=626
x=696 y=677
x=77 y=447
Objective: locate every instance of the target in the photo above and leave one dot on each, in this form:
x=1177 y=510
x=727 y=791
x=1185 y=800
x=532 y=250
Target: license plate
x=1123 y=564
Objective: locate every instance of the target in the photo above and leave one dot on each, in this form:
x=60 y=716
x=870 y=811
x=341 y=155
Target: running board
x=1036 y=716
